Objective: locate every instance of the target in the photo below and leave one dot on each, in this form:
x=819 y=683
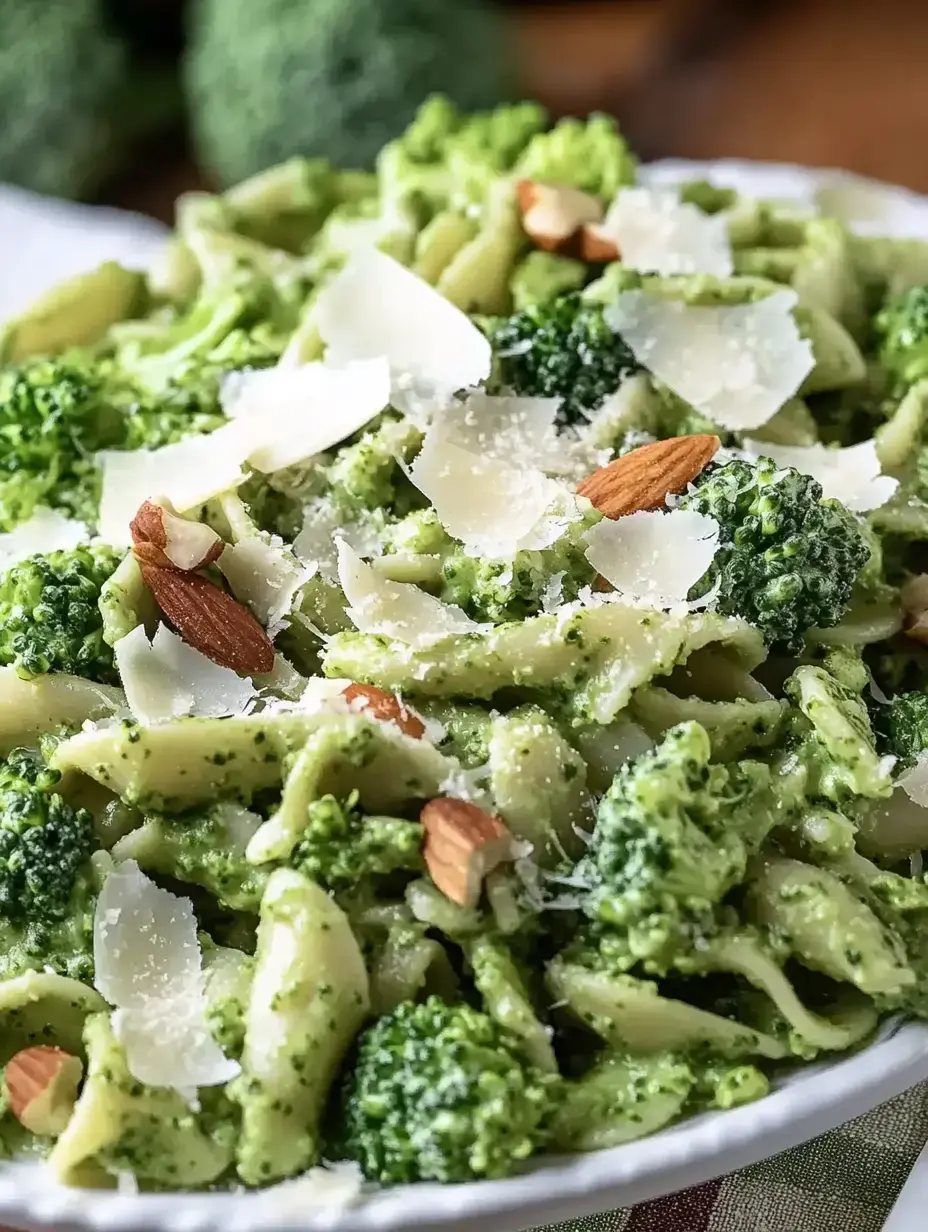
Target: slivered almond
x=386 y=707
x=160 y=537
x=41 y=1086
x=462 y=845
x=596 y=245
x=552 y=214
x=210 y=620
x=644 y=478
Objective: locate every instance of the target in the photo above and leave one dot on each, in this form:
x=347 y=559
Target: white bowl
x=804 y=1102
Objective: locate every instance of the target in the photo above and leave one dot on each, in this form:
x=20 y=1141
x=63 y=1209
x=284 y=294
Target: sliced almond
x=462 y=845
x=210 y=620
x=595 y=245
x=41 y=1086
x=914 y=594
x=644 y=478
x=162 y=538
x=386 y=707
x=552 y=214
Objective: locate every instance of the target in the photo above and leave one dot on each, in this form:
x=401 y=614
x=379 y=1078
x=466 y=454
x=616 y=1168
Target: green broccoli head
x=906 y=725
x=331 y=79
x=673 y=834
x=787 y=560
x=561 y=349
x=440 y=1092
x=587 y=154
x=46 y=887
x=154 y=422
x=340 y=846
x=61 y=70
x=52 y=419
x=50 y=620
x=902 y=333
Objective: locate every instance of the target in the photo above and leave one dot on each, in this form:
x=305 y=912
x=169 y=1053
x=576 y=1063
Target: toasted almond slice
x=644 y=478
x=914 y=594
x=210 y=620
x=552 y=214
x=597 y=246
x=162 y=538
x=41 y=1086
x=386 y=707
x=462 y=845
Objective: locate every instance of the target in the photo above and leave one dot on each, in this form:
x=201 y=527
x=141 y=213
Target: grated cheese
x=737 y=365
x=853 y=475
x=657 y=233
x=657 y=557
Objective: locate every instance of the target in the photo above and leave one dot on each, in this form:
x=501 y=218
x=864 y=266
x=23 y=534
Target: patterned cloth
x=845 y=1181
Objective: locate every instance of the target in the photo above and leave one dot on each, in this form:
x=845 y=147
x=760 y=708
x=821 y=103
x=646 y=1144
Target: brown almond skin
x=150 y=538
x=644 y=478
x=29 y=1073
x=380 y=704
x=210 y=620
x=459 y=837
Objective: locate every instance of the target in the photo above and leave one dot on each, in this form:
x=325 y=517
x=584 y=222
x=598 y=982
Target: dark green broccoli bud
x=61 y=70
x=442 y=1093
x=902 y=332
x=905 y=722
x=46 y=886
x=672 y=836
x=331 y=79
x=50 y=620
x=52 y=419
x=561 y=349
x=340 y=846
x=152 y=423
x=787 y=560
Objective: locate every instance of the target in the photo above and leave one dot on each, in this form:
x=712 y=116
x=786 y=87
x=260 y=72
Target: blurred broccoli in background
x=902 y=333
x=326 y=77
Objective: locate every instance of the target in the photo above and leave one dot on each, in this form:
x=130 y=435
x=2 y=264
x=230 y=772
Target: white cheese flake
x=148 y=966
x=46 y=531
x=737 y=365
x=294 y=413
x=657 y=557
x=265 y=576
x=396 y=609
x=657 y=233
x=853 y=475
x=317 y=543
x=376 y=307
x=519 y=431
x=166 y=679
x=495 y=509
x=187 y=474
x=915 y=781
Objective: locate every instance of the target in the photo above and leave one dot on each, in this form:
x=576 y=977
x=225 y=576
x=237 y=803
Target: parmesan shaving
x=915 y=781
x=376 y=307
x=737 y=365
x=266 y=577
x=166 y=679
x=46 y=531
x=396 y=609
x=853 y=475
x=657 y=233
x=519 y=431
x=294 y=413
x=148 y=966
x=317 y=543
x=656 y=557
x=187 y=474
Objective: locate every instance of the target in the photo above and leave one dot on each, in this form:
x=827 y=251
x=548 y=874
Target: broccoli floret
x=440 y=1092
x=906 y=724
x=52 y=419
x=331 y=79
x=46 y=886
x=587 y=154
x=50 y=620
x=61 y=70
x=151 y=424
x=787 y=560
x=340 y=846
x=672 y=836
x=902 y=332
x=366 y=476
x=561 y=349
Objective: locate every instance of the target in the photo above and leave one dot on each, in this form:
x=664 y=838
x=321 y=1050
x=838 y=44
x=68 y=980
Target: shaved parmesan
x=915 y=781
x=657 y=233
x=46 y=531
x=148 y=966
x=376 y=307
x=519 y=431
x=657 y=557
x=166 y=679
x=853 y=475
x=317 y=543
x=329 y=1187
x=396 y=609
x=187 y=473
x=494 y=509
x=737 y=365
x=294 y=413
x=265 y=576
